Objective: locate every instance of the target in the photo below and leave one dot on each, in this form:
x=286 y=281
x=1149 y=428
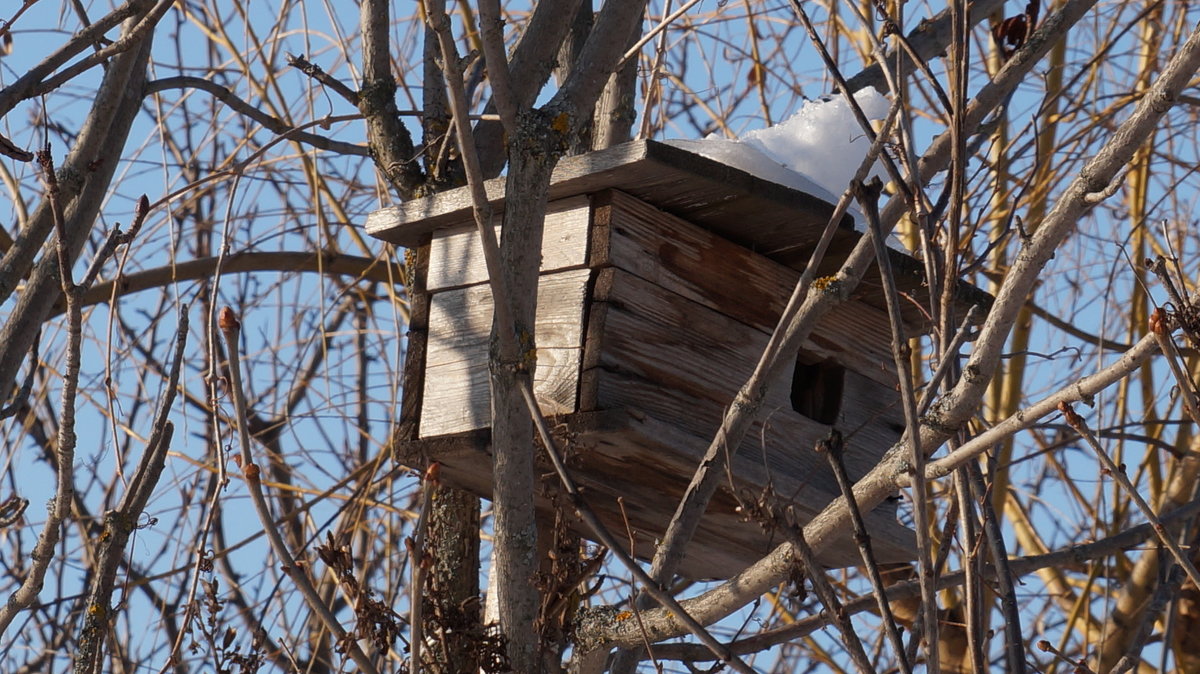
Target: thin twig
x=633 y=51
x=480 y=207
x=1166 y=592
x=1118 y=473
x=329 y=81
x=1014 y=649
x=653 y=90
x=491 y=36
x=230 y=329
x=868 y=197
x=1070 y=556
x=23 y=87
x=269 y=122
x=64 y=488
x=1187 y=389
x=924 y=42
x=966 y=332
x=129 y=39
x=832 y=447
x=972 y=565
x=417 y=562
x=1082 y=390
x=633 y=604
x=821 y=585
x=122 y=521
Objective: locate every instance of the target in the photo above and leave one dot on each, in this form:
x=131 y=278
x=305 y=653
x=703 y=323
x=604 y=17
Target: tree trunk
x=454 y=628
x=530 y=166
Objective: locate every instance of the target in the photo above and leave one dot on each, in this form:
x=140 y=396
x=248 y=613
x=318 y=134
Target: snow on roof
x=816 y=151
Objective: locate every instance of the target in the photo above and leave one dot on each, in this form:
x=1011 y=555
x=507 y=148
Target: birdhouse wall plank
x=456 y=396
x=683 y=362
x=627 y=452
x=413 y=381
x=732 y=296
x=631 y=473
x=713 y=271
x=456 y=256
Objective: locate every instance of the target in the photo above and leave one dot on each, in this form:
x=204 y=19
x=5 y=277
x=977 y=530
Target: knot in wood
x=1162 y=101
x=377 y=97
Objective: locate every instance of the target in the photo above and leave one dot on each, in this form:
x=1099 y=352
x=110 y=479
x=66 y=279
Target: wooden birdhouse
x=663 y=274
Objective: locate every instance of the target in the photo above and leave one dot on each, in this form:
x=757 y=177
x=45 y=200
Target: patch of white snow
x=816 y=151
x=822 y=141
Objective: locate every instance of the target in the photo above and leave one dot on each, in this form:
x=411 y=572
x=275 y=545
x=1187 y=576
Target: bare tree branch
x=83 y=186
x=391 y=144
x=269 y=123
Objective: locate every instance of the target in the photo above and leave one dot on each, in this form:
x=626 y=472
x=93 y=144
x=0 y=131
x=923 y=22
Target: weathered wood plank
x=692 y=186
x=682 y=361
x=733 y=280
x=663 y=470
x=456 y=394
x=413 y=381
x=595 y=343
x=622 y=452
x=456 y=257
x=780 y=443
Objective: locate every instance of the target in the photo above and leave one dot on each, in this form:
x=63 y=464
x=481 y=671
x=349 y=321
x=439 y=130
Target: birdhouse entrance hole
x=817 y=390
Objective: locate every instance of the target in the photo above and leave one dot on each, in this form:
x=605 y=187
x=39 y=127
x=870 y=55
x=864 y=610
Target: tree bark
x=453 y=596
x=391 y=144
x=531 y=162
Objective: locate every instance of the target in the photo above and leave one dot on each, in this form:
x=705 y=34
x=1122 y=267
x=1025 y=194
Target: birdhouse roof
x=773 y=220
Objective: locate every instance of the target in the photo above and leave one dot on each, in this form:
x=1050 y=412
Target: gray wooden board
x=687 y=184
x=680 y=360
x=456 y=396
x=687 y=377
x=708 y=269
x=456 y=257
x=781 y=444
x=413 y=382
x=725 y=542
x=774 y=220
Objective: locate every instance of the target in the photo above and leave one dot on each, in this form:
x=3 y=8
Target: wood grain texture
x=615 y=454
x=456 y=395
x=733 y=280
x=675 y=318
x=682 y=362
x=456 y=257
x=698 y=189
x=413 y=381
